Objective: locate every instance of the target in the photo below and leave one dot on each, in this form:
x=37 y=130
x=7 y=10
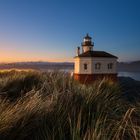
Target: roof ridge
x=97 y=54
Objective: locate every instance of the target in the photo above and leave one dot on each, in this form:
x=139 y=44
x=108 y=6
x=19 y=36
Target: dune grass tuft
x=52 y=106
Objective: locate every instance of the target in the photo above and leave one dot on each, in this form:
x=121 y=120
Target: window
x=110 y=65
x=97 y=66
x=85 y=66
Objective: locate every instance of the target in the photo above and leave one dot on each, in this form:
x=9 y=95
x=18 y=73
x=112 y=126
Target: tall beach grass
x=52 y=106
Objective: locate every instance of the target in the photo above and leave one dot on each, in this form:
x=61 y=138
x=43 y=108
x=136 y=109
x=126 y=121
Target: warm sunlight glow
x=11 y=53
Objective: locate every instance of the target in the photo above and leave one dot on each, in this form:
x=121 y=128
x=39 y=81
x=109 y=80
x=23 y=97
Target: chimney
x=78 y=51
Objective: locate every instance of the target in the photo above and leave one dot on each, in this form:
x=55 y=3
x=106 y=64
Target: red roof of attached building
x=97 y=54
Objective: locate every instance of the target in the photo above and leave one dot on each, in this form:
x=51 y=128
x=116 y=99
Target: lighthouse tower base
x=90 y=78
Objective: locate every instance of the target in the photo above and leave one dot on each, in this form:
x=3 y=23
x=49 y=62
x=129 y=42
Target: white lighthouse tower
x=91 y=65
x=87 y=45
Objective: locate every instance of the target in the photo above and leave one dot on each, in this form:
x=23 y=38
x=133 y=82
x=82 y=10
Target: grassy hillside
x=52 y=106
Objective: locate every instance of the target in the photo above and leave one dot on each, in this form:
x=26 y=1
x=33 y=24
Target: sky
x=51 y=30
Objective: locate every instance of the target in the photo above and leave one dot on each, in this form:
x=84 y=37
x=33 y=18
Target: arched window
x=110 y=65
x=85 y=66
x=98 y=66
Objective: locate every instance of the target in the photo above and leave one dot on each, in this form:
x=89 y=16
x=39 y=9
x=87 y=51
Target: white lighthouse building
x=91 y=65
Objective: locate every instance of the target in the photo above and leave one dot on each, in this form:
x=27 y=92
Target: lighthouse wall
x=79 y=66
x=91 y=62
x=104 y=65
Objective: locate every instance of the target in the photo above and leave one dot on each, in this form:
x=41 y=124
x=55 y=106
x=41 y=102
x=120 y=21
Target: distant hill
x=129 y=67
x=37 y=65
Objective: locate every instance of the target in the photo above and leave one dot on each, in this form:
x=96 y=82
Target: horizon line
x=40 y=61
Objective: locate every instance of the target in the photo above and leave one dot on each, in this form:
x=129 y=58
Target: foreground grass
x=52 y=106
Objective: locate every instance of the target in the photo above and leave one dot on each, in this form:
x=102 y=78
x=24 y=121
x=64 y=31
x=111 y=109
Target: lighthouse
x=91 y=65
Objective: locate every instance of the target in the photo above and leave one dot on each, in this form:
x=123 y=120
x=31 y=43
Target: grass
x=52 y=106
